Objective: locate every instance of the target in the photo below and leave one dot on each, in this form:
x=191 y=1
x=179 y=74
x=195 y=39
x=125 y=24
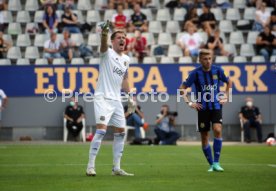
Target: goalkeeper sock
x=95 y=147
x=217 y=148
x=208 y=153
x=118 y=148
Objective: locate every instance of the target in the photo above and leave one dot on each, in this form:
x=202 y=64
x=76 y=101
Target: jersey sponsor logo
x=118 y=71
x=215 y=77
x=209 y=87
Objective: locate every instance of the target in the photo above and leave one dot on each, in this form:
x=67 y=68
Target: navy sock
x=208 y=153
x=217 y=148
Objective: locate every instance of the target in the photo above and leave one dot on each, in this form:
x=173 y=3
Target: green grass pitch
x=61 y=167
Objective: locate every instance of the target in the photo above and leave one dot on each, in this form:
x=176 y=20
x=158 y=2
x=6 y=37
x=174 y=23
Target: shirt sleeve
x=2 y=94
x=81 y=110
x=67 y=111
x=257 y=111
x=190 y=80
x=222 y=75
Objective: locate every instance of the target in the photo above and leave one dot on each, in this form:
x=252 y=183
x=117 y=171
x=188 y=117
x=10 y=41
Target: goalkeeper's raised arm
x=104 y=36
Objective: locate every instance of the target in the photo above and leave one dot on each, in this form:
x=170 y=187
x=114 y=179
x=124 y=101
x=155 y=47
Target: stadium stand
x=23 y=19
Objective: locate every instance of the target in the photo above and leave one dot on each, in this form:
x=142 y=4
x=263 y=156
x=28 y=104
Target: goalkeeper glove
x=131 y=104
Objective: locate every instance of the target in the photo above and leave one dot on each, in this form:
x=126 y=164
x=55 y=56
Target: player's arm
x=126 y=88
x=183 y=92
x=104 y=37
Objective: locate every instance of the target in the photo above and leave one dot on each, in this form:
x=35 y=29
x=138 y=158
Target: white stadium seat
x=14 y=53
x=32 y=52
x=23 y=40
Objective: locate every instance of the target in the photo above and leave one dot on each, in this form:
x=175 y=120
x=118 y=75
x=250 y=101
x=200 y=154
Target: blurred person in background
x=50 y=20
x=69 y=20
x=3 y=103
x=119 y=20
x=52 y=48
x=4 y=46
x=138 y=20
x=74 y=115
x=67 y=46
x=138 y=46
x=215 y=43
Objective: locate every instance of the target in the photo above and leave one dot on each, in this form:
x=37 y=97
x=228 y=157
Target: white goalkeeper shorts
x=109 y=112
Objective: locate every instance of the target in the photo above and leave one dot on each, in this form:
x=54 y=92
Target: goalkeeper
x=108 y=108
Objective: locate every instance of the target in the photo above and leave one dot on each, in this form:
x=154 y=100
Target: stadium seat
x=175 y=51
x=32 y=52
x=93 y=16
x=14 y=53
x=14 y=5
x=31 y=26
x=239 y=59
x=5 y=62
x=163 y=15
x=77 y=38
x=82 y=133
x=222 y=35
x=59 y=61
x=167 y=60
x=172 y=27
x=239 y=4
x=8 y=38
x=22 y=61
x=23 y=40
x=31 y=5
x=23 y=17
x=133 y=60
x=155 y=27
x=179 y=14
x=41 y=61
x=252 y=37
x=77 y=61
x=249 y=13
x=218 y=13
x=185 y=60
x=258 y=59
x=273 y=59
x=40 y=40
x=204 y=36
x=148 y=13
x=80 y=16
x=59 y=37
x=108 y=14
x=233 y=14
x=150 y=60
x=14 y=29
x=150 y=38
x=154 y=4
x=142 y=131
x=226 y=26
x=100 y=4
x=60 y=13
x=230 y=48
x=247 y=50
x=94 y=61
x=236 y=37
x=221 y=59
x=128 y=12
x=7 y=17
x=94 y=39
x=164 y=39
x=38 y=18
x=84 y=5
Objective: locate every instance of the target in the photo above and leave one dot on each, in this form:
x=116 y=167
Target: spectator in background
x=74 y=115
x=190 y=42
x=273 y=21
x=67 y=46
x=251 y=117
x=45 y=3
x=138 y=20
x=114 y=4
x=3 y=5
x=215 y=43
x=138 y=46
x=191 y=18
x=135 y=119
x=207 y=20
x=262 y=18
x=50 y=20
x=119 y=20
x=4 y=46
x=70 y=20
x=165 y=131
x=266 y=44
x=3 y=103
x=52 y=48
x=63 y=3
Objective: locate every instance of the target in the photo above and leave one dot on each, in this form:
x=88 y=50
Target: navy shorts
x=207 y=118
